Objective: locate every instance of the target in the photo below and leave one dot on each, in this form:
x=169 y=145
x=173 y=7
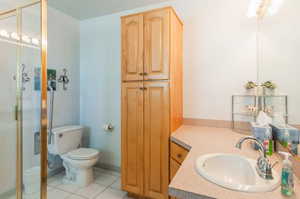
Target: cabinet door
x=156 y=139
x=157 y=44
x=132 y=137
x=132 y=48
x=174 y=167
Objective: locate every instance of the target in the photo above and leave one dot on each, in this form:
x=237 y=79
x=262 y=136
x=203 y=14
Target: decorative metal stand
x=245 y=108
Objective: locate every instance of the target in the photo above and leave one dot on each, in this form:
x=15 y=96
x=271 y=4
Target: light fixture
x=261 y=8
x=15 y=36
x=4 y=33
x=35 y=41
x=26 y=39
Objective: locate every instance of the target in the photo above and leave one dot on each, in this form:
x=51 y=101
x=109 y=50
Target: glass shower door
x=10 y=106
x=30 y=60
x=23 y=124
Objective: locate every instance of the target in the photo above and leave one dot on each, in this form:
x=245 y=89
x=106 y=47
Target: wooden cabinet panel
x=157 y=44
x=132 y=137
x=176 y=73
x=132 y=48
x=178 y=153
x=151 y=110
x=156 y=139
x=174 y=167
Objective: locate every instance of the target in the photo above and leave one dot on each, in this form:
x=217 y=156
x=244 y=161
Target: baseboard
x=220 y=123
x=108 y=167
x=215 y=123
x=207 y=122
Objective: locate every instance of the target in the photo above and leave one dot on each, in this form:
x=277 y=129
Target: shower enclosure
x=23 y=108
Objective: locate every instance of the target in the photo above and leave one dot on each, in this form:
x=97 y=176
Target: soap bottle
x=268 y=142
x=287 y=180
x=286 y=138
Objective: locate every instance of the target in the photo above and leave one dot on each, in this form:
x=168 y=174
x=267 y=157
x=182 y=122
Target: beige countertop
x=187 y=184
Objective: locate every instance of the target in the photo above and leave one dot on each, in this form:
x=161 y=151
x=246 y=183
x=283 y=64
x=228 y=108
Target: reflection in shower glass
x=17 y=64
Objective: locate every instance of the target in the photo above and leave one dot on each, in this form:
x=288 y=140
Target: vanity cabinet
x=178 y=154
x=151 y=99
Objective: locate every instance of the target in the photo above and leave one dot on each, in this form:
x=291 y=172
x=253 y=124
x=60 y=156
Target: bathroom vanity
x=197 y=141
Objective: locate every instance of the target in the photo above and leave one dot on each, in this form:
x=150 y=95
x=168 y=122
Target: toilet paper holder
x=108 y=127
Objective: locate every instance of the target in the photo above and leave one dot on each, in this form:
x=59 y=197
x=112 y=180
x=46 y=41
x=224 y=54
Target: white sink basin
x=234 y=172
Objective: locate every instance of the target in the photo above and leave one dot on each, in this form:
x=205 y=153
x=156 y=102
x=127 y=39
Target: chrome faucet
x=263 y=166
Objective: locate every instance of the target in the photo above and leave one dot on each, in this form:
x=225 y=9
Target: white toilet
x=78 y=162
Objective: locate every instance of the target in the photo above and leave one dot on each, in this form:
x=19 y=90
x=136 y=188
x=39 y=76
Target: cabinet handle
x=142 y=74
x=179 y=156
x=143 y=88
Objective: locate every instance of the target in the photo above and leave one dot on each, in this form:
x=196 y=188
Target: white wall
x=219 y=57
x=280 y=51
x=63 y=52
x=100 y=85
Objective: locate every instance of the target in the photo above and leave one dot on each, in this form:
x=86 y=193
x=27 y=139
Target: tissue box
x=294 y=133
x=259 y=132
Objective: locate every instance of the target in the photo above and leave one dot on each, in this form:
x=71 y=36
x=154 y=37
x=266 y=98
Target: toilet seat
x=83 y=154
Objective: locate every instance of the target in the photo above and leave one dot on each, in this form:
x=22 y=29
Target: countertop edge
x=180 y=143
x=187 y=195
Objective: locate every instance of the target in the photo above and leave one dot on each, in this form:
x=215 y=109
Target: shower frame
x=17 y=12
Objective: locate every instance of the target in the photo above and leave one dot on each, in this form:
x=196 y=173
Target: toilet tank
x=65 y=139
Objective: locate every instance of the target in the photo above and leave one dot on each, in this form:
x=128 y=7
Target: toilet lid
x=83 y=154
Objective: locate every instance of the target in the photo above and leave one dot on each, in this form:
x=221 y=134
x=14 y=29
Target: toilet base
x=84 y=177
x=78 y=176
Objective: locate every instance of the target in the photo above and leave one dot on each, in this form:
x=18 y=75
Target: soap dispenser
x=287 y=180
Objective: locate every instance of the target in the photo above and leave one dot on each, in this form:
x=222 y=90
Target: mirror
x=280 y=60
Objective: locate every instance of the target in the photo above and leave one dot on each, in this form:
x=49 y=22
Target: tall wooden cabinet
x=151 y=99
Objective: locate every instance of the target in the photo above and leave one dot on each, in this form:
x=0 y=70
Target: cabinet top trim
x=157 y=9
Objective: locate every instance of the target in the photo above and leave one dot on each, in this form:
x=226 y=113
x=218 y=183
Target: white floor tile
x=91 y=191
x=56 y=180
x=32 y=196
x=58 y=194
x=116 y=184
x=105 y=179
x=127 y=197
x=35 y=195
x=68 y=187
x=75 y=197
x=111 y=194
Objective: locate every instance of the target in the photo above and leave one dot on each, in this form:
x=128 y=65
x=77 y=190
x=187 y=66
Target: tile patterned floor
x=107 y=185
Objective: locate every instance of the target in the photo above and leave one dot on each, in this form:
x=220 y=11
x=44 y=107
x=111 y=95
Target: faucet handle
x=269 y=173
x=263 y=163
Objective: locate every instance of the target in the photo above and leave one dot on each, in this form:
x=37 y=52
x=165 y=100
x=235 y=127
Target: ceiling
x=84 y=9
